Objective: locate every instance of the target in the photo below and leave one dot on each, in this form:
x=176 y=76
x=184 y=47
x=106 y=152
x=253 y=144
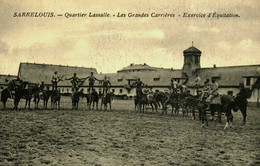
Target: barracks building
x=157 y=79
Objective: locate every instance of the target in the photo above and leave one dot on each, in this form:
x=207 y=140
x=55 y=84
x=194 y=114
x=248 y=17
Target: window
x=128 y=91
x=230 y=93
x=247 y=81
x=120 y=90
x=119 y=79
x=156 y=79
x=100 y=82
x=196 y=59
x=113 y=90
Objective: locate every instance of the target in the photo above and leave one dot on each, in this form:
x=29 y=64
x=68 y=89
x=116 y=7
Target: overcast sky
x=109 y=44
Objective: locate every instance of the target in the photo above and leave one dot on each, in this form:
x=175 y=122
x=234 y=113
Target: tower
x=191 y=60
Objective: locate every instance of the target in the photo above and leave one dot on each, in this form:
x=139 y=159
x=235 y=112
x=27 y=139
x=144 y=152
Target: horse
x=229 y=103
x=36 y=99
x=161 y=98
x=92 y=98
x=45 y=96
x=141 y=101
x=106 y=99
x=152 y=101
x=55 y=99
x=173 y=100
x=75 y=98
x=5 y=94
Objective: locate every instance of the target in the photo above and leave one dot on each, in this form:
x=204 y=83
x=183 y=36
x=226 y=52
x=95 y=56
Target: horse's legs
x=193 y=113
x=110 y=106
x=29 y=104
x=219 y=114
x=243 y=111
x=212 y=112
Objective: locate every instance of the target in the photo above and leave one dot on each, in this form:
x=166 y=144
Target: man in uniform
x=146 y=90
x=14 y=84
x=41 y=87
x=197 y=83
x=213 y=90
x=174 y=85
x=55 y=79
x=138 y=85
x=91 y=80
x=205 y=90
x=75 y=82
x=106 y=84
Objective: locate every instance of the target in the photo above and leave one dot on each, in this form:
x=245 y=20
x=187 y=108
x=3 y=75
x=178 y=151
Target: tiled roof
x=4 y=77
x=137 y=67
x=36 y=73
x=192 y=50
x=226 y=76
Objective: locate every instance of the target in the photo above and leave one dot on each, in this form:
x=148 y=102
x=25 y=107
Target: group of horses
x=92 y=100
x=34 y=93
x=189 y=103
x=178 y=101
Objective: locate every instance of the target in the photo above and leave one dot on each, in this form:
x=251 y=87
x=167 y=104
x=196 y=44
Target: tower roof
x=192 y=49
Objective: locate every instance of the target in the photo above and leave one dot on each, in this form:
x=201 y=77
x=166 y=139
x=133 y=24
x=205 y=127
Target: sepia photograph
x=129 y=83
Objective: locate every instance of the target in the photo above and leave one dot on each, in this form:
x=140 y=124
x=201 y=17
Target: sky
x=109 y=44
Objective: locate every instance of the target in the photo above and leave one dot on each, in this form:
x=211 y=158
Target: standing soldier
x=138 y=85
x=197 y=83
x=91 y=80
x=75 y=82
x=55 y=79
x=174 y=85
x=106 y=84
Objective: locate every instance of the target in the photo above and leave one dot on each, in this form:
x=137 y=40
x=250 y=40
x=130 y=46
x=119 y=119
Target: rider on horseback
x=14 y=84
x=213 y=90
x=75 y=82
x=55 y=79
x=174 y=85
x=205 y=90
x=146 y=90
x=41 y=87
x=106 y=84
x=138 y=85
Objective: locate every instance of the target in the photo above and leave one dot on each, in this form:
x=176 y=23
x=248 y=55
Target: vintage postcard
x=128 y=82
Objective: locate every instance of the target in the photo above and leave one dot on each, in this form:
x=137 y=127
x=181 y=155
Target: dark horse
x=173 y=100
x=146 y=99
x=92 y=98
x=75 y=97
x=106 y=99
x=45 y=97
x=20 y=92
x=160 y=98
x=55 y=99
x=4 y=97
x=228 y=103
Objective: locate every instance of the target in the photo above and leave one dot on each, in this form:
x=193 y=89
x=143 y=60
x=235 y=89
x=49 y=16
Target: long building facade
x=157 y=79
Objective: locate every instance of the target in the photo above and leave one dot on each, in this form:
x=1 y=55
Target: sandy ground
x=123 y=137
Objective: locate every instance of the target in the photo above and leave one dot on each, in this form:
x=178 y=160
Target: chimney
x=144 y=64
x=214 y=66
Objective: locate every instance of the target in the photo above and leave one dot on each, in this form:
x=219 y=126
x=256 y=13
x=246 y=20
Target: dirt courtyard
x=123 y=137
